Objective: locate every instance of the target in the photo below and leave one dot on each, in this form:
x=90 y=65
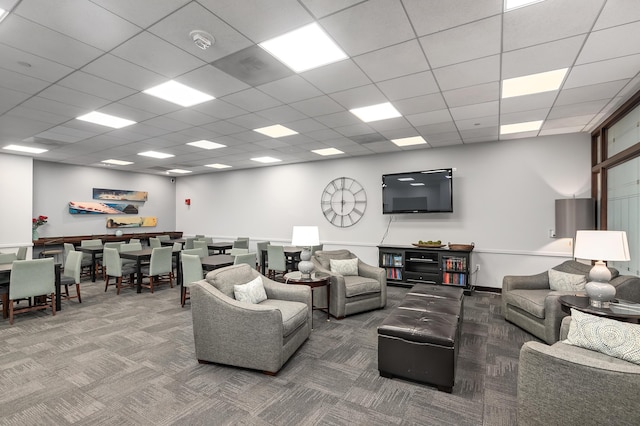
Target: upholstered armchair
x=563 y=384
x=260 y=336
x=352 y=294
x=529 y=302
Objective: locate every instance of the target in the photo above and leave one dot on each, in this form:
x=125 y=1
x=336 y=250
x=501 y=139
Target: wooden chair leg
x=53 y=304
x=151 y=284
x=78 y=293
x=118 y=285
x=10 y=312
x=171 y=279
x=106 y=283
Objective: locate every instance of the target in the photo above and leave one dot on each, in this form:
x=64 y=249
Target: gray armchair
x=529 y=302
x=569 y=385
x=352 y=294
x=260 y=336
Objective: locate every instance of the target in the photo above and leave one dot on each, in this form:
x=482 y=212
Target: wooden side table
x=581 y=303
x=316 y=280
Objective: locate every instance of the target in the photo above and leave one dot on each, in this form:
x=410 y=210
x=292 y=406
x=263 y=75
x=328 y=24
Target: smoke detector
x=202 y=39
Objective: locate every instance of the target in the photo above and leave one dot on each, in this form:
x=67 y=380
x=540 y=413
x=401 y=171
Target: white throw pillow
x=251 y=292
x=563 y=281
x=614 y=338
x=344 y=266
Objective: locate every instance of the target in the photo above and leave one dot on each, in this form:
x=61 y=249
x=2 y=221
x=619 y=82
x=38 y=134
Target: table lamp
x=305 y=237
x=601 y=246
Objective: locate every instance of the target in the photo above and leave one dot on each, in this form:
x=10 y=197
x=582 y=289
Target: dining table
x=93 y=251
x=219 y=246
x=5 y=270
x=144 y=255
x=215 y=261
x=291 y=253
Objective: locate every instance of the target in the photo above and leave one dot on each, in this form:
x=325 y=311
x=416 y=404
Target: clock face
x=343 y=202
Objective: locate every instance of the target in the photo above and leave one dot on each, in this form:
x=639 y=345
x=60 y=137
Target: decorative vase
x=34 y=234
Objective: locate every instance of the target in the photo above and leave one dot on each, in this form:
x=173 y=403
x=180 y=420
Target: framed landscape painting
x=119 y=195
x=132 y=222
x=94 y=207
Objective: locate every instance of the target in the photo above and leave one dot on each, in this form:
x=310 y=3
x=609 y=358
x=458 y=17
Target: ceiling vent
x=202 y=39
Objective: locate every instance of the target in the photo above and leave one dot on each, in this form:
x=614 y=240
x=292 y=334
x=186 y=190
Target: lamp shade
x=305 y=236
x=573 y=214
x=602 y=245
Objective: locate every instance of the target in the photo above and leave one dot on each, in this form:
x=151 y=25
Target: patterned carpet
x=129 y=359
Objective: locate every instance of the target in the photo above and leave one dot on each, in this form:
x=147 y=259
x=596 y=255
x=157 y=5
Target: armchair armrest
x=526 y=282
x=627 y=287
x=373 y=272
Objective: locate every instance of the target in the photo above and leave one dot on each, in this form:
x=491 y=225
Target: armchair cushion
x=614 y=338
x=294 y=314
x=344 y=266
x=251 y=292
x=531 y=301
x=357 y=285
x=563 y=281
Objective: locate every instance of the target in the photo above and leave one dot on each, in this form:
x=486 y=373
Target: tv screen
x=428 y=191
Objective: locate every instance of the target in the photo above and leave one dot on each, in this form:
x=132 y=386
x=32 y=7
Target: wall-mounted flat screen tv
x=428 y=191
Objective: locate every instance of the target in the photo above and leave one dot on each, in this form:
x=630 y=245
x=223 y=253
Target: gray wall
x=16 y=181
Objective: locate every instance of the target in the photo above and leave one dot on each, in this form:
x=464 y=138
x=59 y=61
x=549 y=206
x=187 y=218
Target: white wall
x=54 y=185
x=16 y=181
x=504 y=196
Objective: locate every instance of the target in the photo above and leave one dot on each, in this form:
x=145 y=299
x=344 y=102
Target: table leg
x=263 y=260
x=58 y=304
x=328 y=300
x=93 y=266
x=139 y=272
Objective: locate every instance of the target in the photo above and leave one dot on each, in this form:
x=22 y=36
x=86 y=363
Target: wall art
x=94 y=207
x=119 y=195
x=132 y=222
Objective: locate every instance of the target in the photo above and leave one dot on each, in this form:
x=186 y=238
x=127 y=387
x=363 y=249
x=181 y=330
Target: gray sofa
x=352 y=294
x=567 y=385
x=259 y=336
x=529 y=302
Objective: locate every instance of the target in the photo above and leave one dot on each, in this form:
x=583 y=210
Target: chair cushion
x=578 y=268
x=531 y=301
x=614 y=338
x=563 y=281
x=67 y=280
x=344 y=266
x=251 y=292
x=225 y=278
x=294 y=314
x=323 y=256
x=356 y=285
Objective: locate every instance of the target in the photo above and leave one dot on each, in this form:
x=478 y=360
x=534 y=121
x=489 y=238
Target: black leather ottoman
x=419 y=339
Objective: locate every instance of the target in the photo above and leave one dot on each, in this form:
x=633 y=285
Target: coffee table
x=619 y=313
x=316 y=280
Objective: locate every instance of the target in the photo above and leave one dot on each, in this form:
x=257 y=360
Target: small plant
x=37 y=222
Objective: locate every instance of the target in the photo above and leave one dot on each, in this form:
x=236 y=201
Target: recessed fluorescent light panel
x=3 y=14
x=534 y=83
x=27 y=149
x=376 y=112
x=179 y=171
x=204 y=144
x=265 y=160
x=304 y=49
x=406 y=179
x=327 y=151
x=514 y=4
x=413 y=140
x=507 y=129
x=178 y=93
x=155 y=154
x=102 y=119
x=417 y=184
x=217 y=166
x=117 y=162
x=276 y=131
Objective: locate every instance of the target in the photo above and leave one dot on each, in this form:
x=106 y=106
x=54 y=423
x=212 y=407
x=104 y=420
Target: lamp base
x=599 y=290
x=305 y=266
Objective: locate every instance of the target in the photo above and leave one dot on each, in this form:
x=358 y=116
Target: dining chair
x=188 y=244
x=199 y=236
x=86 y=259
x=316 y=248
x=71 y=274
x=191 y=272
x=154 y=242
x=164 y=237
x=235 y=251
x=175 y=247
x=96 y=242
x=248 y=258
x=241 y=243
x=31 y=278
x=130 y=247
x=201 y=245
x=160 y=266
x=111 y=244
x=22 y=253
x=198 y=252
x=260 y=247
x=134 y=240
x=277 y=261
x=7 y=257
x=116 y=269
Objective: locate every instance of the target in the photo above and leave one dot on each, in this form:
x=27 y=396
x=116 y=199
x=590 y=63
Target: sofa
x=563 y=384
x=352 y=294
x=529 y=302
x=260 y=336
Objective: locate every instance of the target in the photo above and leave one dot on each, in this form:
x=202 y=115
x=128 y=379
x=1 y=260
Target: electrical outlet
x=552 y=233
x=477 y=266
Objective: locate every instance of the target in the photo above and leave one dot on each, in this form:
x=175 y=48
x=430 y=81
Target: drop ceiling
x=439 y=63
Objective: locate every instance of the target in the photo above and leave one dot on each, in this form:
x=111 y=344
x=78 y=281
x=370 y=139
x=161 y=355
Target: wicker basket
x=461 y=247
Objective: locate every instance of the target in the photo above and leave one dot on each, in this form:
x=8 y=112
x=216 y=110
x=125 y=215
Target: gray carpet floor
x=129 y=359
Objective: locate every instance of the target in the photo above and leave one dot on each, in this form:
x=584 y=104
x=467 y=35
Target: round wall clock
x=343 y=202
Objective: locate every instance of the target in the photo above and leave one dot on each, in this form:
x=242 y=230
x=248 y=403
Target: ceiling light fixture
x=276 y=131
x=179 y=171
x=117 y=162
x=107 y=120
x=528 y=126
x=3 y=14
x=413 y=140
x=327 y=151
x=205 y=144
x=155 y=154
x=303 y=49
x=533 y=83
x=178 y=93
x=266 y=160
x=376 y=112
x=27 y=149
x=217 y=166
x=202 y=39
x=515 y=4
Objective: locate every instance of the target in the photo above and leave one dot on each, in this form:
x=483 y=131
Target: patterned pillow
x=614 y=338
x=251 y=292
x=344 y=267
x=563 y=281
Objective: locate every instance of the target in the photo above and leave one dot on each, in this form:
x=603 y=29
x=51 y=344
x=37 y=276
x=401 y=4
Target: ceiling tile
x=617 y=13
x=87 y=83
x=604 y=44
x=470 y=73
x=117 y=70
x=409 y=86
x=337 y=76
x=212 y=81
x=251 y=100
x=590 y=93
x=141 y=12
x=359 y=97
x=322 y=105
x=290 y=89
x=478 y=110
x=544 y=57
x=253 y=65
x=473 y=94
x=407 y=58
x=603 y=71
x=320 y=8
x=419 y=104
x=431 y=16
